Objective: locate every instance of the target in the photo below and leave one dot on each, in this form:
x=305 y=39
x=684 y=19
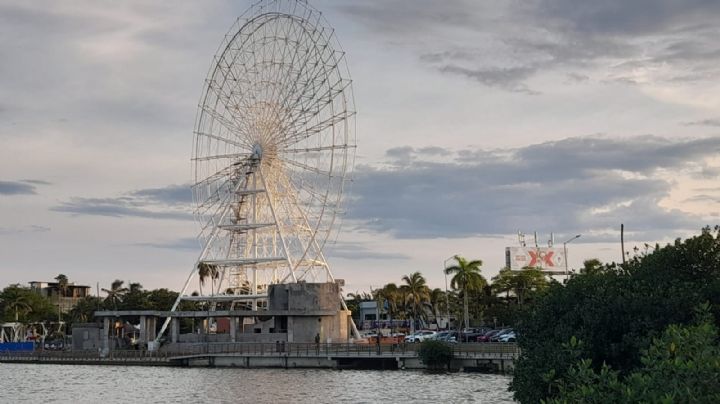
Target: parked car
x=509 y=337
x=486 y=337
x=471 y=334
x=496 y=337
x=419 y=336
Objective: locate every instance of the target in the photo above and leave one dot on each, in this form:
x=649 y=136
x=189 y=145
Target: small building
x=64 y=300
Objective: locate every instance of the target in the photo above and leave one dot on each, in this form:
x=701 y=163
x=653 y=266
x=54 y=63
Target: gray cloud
x=354 y=251
x=509 y=78
x=37 y=182
x=16 y=188
x=704 y=122
x=171 y=195
x=33 y=228
x=169 y=202
x=573 y=185
x=184 y=244
x=509 y=43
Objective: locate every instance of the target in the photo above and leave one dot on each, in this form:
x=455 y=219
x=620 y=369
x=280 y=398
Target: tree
x=84 y=309
x=18 y=303
x=21 y=304
x=616 y=313
x=438 y=302
x=134 y=298
x=115 y=293
x=466 y=277
x=417 y=293
x=436 y=355
x=591 y=267
x=62 y=281
x=503 y=282
x=207 y=271
x=682 y=365
x=526 y=282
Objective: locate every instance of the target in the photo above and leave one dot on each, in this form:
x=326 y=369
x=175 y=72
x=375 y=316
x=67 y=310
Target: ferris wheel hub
x=257 y=151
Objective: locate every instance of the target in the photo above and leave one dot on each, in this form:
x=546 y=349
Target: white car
x=420 y=336
x=509 y=337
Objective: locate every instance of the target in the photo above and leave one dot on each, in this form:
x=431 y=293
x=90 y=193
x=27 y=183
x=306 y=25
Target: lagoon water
x=119 y=384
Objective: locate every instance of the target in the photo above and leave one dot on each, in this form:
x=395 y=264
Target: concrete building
x=63 y=300
x=297 y=312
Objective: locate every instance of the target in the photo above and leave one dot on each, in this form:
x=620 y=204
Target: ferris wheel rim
x=345 y=149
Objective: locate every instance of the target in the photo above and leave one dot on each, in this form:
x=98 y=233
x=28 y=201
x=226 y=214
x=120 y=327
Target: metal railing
x=467 y=350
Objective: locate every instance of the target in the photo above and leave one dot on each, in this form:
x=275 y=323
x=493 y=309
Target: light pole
x=577 y=236
x=447 y=297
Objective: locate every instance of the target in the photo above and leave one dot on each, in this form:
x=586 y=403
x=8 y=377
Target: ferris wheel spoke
x=221 y=139
x=308 y=168
x=319 y=127
x=233 y=156
x=320 y=148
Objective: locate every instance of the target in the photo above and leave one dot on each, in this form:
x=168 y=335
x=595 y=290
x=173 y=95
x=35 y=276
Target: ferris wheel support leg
x=277 y=224
x=194 y=269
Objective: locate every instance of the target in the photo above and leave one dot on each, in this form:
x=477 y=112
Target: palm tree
x=466 y=278
x=18 y=303
x=527 y=281
x=417 y=293
x=438 y=302
x=503 y=282
x=115 y=293
x=62 y=281
x=592 y=267
x=207 y=271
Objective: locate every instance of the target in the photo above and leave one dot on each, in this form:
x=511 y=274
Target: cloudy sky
x=476 y=119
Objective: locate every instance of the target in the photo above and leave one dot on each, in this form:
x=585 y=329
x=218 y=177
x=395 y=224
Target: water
x=129 y=384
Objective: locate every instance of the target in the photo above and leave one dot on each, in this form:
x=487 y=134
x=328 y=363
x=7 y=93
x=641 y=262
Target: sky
x=476 y=120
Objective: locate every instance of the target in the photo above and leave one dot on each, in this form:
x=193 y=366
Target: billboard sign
x=543 y=258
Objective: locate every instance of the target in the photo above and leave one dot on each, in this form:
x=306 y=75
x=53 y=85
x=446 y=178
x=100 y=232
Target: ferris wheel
x=273 y=148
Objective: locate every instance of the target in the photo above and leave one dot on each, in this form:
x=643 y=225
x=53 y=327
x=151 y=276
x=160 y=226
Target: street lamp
x=447 y=297
x=577 y=236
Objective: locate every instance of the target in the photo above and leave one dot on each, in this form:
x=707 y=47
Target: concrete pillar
x=233 y=329
x=290 y=328
x=143 y=330
x=106 y=335
x=174 y=329
x=151 y=328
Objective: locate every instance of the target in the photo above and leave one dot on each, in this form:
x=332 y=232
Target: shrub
x=435 y=355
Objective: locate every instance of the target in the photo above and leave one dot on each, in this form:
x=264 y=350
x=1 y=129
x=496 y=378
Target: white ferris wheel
x=274 y=145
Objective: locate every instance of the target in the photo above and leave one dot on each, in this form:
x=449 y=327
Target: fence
x=469 y=350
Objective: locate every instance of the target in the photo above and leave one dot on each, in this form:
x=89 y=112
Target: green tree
x=591 y=267
x=115 y=293
x=527 y=282
x=417 y=294
x=21 y=304
x=206 y=271
x=84 y=309
x=681 y=366
x=616 y=312
x=134 y=298
x=466 y=278
x=63 y=283
x=436 y=355
x=438 y=302
x=503 y=282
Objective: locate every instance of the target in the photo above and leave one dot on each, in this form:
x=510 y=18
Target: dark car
x=471 y=334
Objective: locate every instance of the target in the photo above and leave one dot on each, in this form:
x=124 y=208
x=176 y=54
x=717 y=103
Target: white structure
x=273 y=147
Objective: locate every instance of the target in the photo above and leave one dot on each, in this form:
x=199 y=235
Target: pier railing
x=467 y=350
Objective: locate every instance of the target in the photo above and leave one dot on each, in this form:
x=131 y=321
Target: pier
x=493 y=357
